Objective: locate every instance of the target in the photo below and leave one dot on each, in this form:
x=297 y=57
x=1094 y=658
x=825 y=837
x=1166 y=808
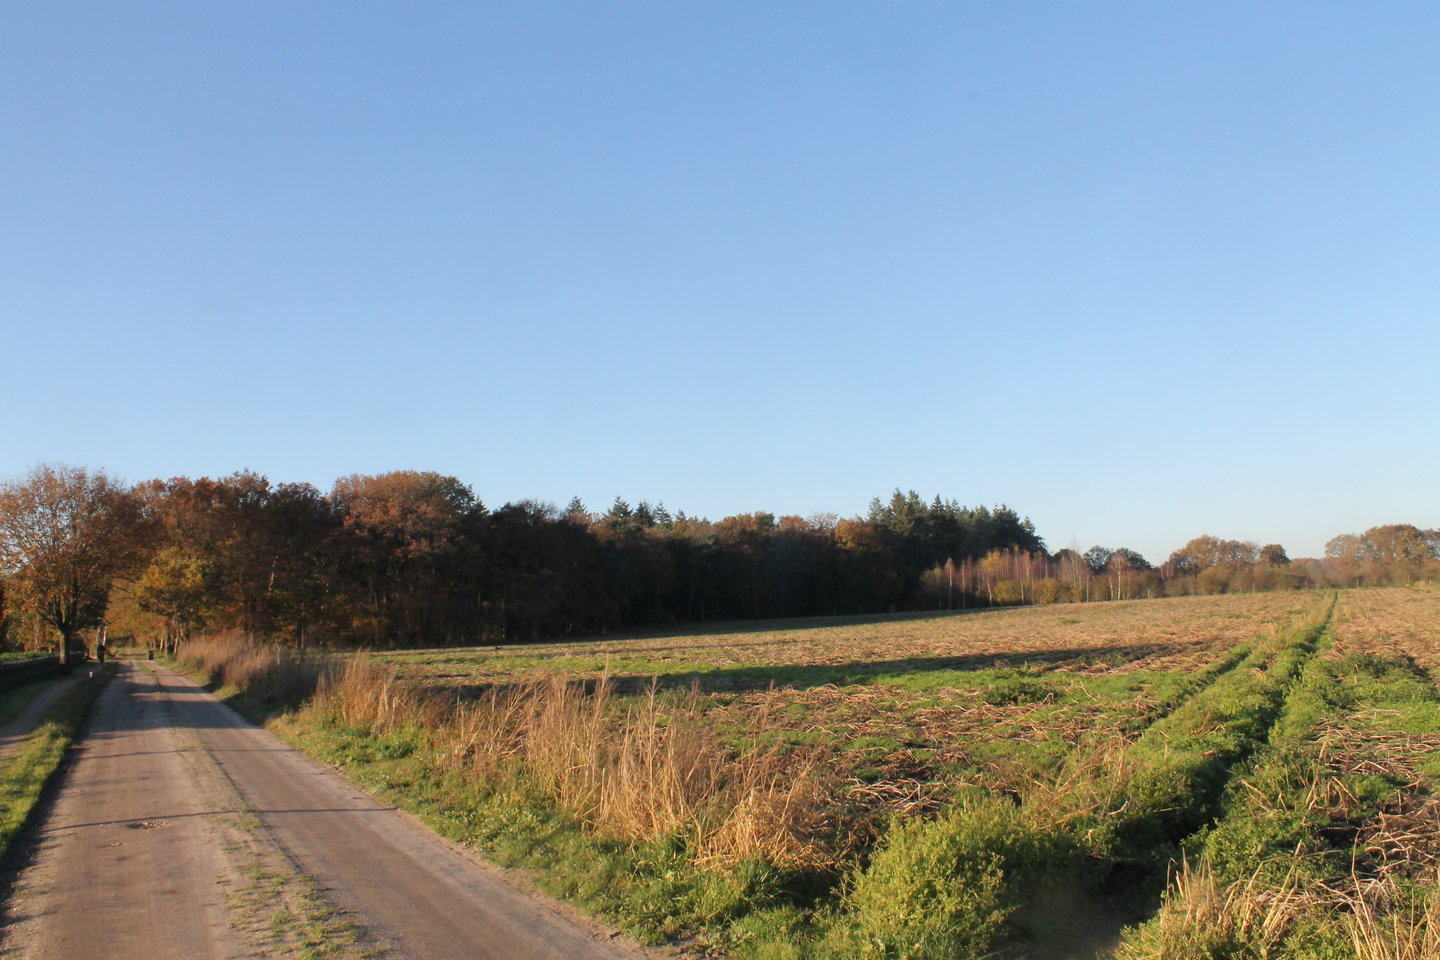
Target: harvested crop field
x=905 y=709
x=1246 y=775
x=1077 y=637
x=1390 y=622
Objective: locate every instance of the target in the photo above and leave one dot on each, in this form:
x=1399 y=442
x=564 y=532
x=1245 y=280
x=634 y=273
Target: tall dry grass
x=643 y=769
x=1203 y=917
x=1089 y=784
x=265 y=672
x=1381 y=929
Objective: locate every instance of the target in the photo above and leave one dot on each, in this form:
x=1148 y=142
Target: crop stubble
x=906 y=710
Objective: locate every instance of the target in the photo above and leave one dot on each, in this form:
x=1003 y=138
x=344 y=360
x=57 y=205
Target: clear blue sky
x=1143 y=271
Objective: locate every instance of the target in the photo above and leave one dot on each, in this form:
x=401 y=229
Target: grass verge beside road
x=13 y=701
x=23 y=779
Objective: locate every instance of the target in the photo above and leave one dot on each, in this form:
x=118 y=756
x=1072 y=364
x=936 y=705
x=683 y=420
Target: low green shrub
x=953 y=886
x=1015 y=689
x=934 y=890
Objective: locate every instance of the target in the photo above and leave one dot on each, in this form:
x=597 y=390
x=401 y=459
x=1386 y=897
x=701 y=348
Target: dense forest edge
x=415 y=559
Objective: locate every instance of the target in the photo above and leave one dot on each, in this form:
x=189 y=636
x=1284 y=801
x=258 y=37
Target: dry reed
x=643 y=769
x=263 y=671
x=1203 y=917
x=1091 y=784
x=1382 y=930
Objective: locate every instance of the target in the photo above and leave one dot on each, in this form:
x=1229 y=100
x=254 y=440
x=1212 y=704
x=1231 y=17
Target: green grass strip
x=29 y=770
x=1185 y=762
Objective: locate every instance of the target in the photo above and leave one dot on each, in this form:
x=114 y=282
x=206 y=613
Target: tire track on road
x=410 y=892
x=127 y=861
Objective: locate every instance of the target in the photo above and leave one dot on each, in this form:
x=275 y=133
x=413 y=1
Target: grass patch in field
x=1118 y=636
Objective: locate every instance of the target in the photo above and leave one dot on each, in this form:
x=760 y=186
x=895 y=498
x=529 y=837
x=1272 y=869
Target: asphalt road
x=182 y=831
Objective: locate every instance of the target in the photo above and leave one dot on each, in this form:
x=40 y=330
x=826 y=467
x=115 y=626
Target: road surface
x=182 y=831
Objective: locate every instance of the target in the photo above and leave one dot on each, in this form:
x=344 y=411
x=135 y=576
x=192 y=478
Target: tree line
x=1389 y=555
x=414 y=558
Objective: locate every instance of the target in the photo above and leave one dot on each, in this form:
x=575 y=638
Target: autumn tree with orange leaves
x=65 y=535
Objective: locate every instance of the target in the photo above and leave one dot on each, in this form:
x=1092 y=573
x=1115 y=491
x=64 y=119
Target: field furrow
x=1329 y=840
